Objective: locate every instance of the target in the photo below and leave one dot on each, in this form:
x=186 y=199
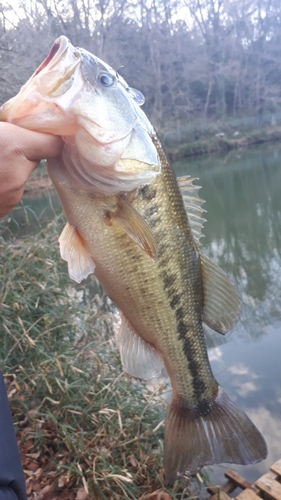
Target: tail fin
x=225 y=434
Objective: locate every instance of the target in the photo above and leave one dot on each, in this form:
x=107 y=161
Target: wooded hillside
x=192 y=59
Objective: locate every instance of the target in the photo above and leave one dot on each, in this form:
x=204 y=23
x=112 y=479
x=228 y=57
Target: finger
x=39 y=146
x=34 y=146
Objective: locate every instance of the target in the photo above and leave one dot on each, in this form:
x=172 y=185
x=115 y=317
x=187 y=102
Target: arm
x=20 y=152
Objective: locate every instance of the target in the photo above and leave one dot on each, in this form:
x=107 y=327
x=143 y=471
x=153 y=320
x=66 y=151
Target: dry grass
x=85 y=430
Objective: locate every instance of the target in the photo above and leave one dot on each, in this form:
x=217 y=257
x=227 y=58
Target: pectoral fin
x=135 y=227
x=222 y=304
x=138 y=358
x=72 y=249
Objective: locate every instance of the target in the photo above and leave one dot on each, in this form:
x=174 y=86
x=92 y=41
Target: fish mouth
x=60 y=46
x=54 y=50
x=33 y=106
x=76 y=95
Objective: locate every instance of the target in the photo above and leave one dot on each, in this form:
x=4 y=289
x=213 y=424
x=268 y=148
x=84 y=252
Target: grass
x=85 y=429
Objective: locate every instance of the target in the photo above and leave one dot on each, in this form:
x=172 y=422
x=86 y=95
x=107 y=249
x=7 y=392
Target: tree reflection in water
x=243 y=228
x=243 y=236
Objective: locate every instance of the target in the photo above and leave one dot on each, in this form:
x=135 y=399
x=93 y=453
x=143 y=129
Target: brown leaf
x=11 y=393
x=28 y=446
x=46 y=489
x=37 y=487
x=157 y=495
x=61 y=482
x=104 y=452
x=133 y=461
x=33 y=455
x=32 y=466
x=29 y=488
x=82 y=494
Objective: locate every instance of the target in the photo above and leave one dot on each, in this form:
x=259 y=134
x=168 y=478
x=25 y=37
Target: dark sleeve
x=12 y=483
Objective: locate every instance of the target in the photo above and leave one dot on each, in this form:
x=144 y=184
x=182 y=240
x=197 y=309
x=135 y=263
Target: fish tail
x=216 y=432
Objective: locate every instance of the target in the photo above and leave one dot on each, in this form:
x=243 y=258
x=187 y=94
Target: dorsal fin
x=192 y=204
x=222 y=303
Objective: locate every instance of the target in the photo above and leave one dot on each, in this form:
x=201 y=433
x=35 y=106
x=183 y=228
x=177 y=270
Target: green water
x=243 y=228
x=243 y=235
x=31 y=214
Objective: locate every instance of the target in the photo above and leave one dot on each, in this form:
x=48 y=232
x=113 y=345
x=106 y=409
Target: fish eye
x=106 y=79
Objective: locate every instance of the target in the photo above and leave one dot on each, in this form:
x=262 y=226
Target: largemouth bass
x=132 y=223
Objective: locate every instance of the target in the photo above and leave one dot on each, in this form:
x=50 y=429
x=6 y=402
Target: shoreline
x=224 y=143
x=39 y=183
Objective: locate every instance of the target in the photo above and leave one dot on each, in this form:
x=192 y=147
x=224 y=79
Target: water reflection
x=251 y=373
x=31 y=214
x=242 y=234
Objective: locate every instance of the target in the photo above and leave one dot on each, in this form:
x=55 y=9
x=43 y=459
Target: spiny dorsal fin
x=138 y=358
x=72 y=249
x=222 y=304
x=192 y=204
x=136 y=228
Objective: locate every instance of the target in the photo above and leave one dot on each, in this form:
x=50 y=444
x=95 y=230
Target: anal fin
x=72 y=249
x=138 y=358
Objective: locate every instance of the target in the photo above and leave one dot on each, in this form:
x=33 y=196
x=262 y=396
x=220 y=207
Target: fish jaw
x=36 y=106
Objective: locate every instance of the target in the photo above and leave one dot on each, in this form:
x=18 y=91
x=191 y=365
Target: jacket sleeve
x=12 y=483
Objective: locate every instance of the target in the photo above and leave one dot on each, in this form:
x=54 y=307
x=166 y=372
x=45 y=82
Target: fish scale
x=178 y=263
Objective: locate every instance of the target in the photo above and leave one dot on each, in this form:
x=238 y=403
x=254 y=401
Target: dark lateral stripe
x=175 y=300
x=154 y=222
x=189 y=349
x=191 y=355
x=168 y=279
x=151 y=211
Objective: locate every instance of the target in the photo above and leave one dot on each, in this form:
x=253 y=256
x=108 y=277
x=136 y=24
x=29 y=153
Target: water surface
x=243 y=236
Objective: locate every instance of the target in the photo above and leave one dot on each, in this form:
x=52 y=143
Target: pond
x=243 y=236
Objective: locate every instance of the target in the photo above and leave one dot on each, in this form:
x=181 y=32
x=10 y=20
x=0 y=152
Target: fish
x=138 y=228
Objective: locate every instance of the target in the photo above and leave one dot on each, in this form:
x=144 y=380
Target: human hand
x=20 y=152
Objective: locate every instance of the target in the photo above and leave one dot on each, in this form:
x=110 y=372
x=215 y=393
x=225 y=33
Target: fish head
x=108 y=138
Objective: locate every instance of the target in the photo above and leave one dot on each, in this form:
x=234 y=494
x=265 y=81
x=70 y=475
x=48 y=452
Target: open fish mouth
x=108 y=138
x=57 y=50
